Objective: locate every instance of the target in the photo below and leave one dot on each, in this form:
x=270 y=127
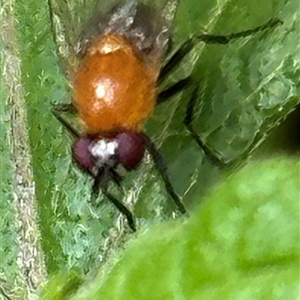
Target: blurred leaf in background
x=246 y=88
x=241 y=243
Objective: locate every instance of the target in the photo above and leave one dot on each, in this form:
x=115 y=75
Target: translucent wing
x=146 y=24
x=75 y=25
x=68 y=18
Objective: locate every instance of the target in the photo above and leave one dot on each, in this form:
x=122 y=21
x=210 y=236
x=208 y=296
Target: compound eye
x=131 y=149
x=82 y=155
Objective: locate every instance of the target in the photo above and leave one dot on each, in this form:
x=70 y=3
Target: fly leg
x=59 y=111
x=213 y=156
x=162 y=169
x=189 y=44
x=99 y=179
x=168 y=93
x=100 y=184
x=176 y=58
x=122 y=208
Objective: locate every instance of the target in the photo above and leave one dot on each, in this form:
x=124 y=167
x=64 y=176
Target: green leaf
x=241 y=243
x=62 y=286
x=246 y=88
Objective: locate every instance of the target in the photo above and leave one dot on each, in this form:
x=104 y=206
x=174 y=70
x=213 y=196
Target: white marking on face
x=103 y=150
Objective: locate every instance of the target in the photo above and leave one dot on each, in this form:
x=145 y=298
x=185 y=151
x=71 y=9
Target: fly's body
x=115 y=87
x=122 y=60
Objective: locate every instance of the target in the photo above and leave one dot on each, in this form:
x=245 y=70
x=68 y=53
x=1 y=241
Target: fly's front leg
x=162 y=169
x=122 y=208
x=59 y=111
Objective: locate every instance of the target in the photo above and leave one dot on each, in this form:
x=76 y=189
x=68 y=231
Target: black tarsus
x=115 y=176
x=100 y=184
x=173 y=90
x=122 y=208
x=188 y=123
x=189 y=44
x=162 y=169
x=57 y=111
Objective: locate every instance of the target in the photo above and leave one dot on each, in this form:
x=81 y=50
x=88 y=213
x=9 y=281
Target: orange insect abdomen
x=114 y=88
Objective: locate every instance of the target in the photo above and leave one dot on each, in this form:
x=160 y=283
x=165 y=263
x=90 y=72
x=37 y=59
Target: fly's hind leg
x=213 y=156
x=176 y=58
x=189 y=44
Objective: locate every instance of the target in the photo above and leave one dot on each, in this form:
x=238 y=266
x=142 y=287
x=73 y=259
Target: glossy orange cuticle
x=114 y=89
